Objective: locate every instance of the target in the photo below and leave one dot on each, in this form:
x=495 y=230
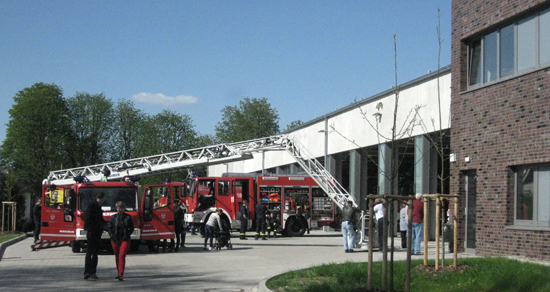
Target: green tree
x=37 y=134
x=293 y=124
x=92 y=124
x=167 y=132
x=129 y=128
x=252 y=118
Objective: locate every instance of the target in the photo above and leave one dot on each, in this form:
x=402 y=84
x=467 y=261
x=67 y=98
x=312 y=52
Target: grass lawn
x=475 y=274
x=8 y=236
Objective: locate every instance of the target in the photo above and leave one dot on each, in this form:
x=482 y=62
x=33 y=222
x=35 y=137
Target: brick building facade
x=500 y=129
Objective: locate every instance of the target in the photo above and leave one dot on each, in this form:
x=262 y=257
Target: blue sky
x=196 y=57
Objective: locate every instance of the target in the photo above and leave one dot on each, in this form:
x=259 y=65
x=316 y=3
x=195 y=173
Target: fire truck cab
x=64 y=207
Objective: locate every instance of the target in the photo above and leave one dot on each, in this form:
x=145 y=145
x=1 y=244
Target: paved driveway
x=239 y=269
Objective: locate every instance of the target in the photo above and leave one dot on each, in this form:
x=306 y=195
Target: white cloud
x=161 y=99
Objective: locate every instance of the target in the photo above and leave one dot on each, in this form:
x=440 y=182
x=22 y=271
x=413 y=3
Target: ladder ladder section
x=318 y=172
x=150 y=165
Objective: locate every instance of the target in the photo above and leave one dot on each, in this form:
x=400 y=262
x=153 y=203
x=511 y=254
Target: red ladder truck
x=179 y=160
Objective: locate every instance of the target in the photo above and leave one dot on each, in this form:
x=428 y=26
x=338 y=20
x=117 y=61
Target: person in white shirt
x=209 y=228
x=404 y=224
x=379 y=216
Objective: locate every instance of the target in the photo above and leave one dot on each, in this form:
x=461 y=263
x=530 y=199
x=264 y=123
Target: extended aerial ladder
x=209 y=155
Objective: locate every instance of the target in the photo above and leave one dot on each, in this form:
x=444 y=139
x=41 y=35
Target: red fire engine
x=304 y=200
x=297 y=200
x=63 y=208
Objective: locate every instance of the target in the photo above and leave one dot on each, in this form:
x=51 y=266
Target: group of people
x=265 y=221
x=349 y=214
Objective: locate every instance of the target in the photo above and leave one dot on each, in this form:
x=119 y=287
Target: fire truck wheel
x=75 y=246
x=294 y=227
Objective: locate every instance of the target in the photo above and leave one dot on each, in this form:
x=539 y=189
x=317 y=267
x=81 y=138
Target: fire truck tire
x=294 y=227
x=75 y=246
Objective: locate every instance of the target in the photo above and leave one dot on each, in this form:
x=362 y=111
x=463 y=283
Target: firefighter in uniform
x=274 y=224
x=244 y=219
x=260 y=220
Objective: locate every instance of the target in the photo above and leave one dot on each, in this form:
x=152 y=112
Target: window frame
x=515 y=72
x=536 y=168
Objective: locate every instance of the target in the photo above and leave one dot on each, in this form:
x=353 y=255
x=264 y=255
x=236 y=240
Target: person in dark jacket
x=274 y=224
x=94 y=225
x=244 y=219
x=37 y=218
x=348 y=231
x=121 y=227
x=261 y=223
x=179 y=224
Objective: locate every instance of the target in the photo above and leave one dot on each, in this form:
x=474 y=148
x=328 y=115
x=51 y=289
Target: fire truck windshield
x=127 y=195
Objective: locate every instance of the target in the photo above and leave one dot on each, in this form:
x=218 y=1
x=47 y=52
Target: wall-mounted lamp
x=467 y=159
x=452 y=157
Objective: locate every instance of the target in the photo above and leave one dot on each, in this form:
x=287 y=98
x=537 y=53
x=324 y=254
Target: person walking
x=179 y=224
x=213 y=220
x=37 y=218
x=261 y=222
x=418 y=225
x=244 y=220
x=93 y=225
x=379 y=216
x=121 y=228
x=348 y=231
x=404 y=224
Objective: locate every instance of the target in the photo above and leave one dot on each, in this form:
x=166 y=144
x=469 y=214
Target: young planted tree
x=401 y=128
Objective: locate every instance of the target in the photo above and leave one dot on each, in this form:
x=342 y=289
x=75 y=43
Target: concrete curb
x=262 y=287
x=5 y=244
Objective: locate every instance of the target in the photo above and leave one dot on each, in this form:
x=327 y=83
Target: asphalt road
x=190 y=269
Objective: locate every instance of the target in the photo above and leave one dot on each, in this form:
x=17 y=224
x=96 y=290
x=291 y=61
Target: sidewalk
x=240 y=269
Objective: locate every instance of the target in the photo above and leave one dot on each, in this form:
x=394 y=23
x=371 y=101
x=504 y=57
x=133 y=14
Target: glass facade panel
x=544 y=37
x=475 y=63
x=543 y=191
x=525 y=190
x=507 y=49
x=490 y=57
x=526 y=44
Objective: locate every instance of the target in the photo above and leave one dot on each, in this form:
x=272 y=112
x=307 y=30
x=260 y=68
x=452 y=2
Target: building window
x=514 y=49
x=533 y=195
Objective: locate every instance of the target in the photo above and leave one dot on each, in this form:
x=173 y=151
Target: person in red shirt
x=418 y=225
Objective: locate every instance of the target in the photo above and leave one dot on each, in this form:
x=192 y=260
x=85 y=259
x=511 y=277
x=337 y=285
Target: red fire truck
x=157 y=207
x=297 y=200
x=64 y=206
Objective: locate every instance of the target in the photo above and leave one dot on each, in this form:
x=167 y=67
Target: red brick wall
x=497 y=126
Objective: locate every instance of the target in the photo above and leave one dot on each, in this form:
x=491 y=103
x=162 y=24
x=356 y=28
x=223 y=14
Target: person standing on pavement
x=210 y=226
x=418 y=225
x=348 y=231
x=37 y=218
x=244 y=219
x=94 y=225
x=121 y=228
x=179 y=224
x=261 y=222
x=379 y=216
x=404 y=224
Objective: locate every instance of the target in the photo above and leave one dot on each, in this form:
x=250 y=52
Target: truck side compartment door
x=158 y=213
x=58 y=222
